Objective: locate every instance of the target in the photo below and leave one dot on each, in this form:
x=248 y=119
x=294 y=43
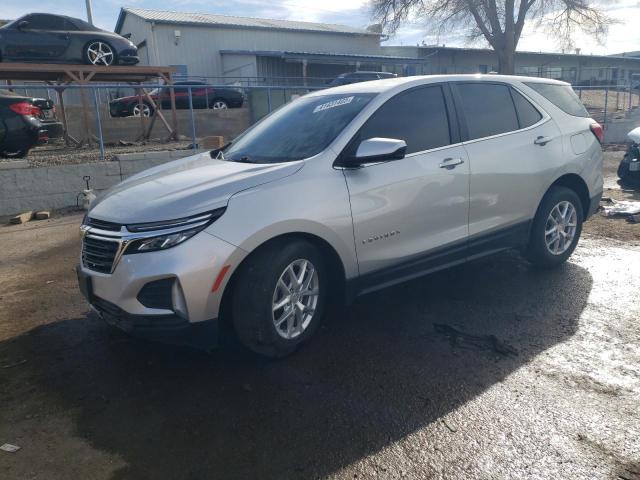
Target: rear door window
x=527 y=114
x=562 y=96
x=418 y=116
x=488 y=109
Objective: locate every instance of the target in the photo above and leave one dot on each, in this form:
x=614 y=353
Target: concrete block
x=211 y=142
x=11 y=164
x=42 y=215
x=22 y=218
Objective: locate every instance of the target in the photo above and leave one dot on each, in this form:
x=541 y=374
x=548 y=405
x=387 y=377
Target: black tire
x=14 y=154
x=252 y=297
x=537 y=251
x=623 y=168
x=87 y=59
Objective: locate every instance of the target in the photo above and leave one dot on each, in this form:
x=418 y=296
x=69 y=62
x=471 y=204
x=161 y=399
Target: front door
x=409 y=214
x=44 y=38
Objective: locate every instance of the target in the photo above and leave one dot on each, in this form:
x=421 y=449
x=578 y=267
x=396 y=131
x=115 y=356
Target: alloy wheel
x=219 y=105
x=100 y=53
x=560 y=228
x=146 y=111
x=295 y=299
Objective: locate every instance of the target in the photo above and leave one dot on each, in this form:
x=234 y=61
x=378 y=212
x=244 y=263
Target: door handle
x=542 y=141
x=451 y=163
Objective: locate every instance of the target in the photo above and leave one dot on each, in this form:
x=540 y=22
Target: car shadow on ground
x=376 y=372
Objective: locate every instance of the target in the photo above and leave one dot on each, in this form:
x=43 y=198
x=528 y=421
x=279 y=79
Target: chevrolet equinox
x=345 y=190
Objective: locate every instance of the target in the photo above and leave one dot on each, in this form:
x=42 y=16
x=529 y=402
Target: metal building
x=245 y=50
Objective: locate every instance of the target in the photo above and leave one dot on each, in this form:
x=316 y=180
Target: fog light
x=177 y=298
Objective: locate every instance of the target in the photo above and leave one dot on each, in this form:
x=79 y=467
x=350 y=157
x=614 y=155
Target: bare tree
x=499 y=22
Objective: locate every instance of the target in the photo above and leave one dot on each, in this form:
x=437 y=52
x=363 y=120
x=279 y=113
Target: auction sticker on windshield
x=332 y=104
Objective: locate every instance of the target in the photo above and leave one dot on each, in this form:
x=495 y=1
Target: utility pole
x=89 y=12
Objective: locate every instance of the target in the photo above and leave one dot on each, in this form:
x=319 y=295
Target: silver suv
x=337 y=194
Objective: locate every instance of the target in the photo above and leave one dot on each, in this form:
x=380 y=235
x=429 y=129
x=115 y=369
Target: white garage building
x=254 y=51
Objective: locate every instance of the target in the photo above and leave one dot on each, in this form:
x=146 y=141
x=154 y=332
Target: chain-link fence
x=608 y=103
x=102 y=115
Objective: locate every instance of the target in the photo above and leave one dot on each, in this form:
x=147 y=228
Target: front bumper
x=194 y=265
x=170 y=329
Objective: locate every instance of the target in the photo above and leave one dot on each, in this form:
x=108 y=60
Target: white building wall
x=199 y=46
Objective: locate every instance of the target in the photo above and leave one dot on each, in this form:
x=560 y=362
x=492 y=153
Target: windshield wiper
x=218 y=153
x=244 y=159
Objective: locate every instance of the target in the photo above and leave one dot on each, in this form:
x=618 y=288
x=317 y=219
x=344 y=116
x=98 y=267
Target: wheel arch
x=334 y=263
x=576 y=183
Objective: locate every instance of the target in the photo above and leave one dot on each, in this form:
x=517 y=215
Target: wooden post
x=174 y=116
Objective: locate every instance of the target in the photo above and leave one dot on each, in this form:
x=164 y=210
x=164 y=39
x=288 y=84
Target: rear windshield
x=301 y=129
x=562 y=96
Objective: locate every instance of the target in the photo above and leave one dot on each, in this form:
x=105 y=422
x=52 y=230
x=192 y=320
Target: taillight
x=597 y=130
x=25 y=108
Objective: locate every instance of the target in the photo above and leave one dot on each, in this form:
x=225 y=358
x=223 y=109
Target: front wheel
x=219 y=104
x=99 y=53
x=556 y=228
x=136 y=111
x=279 y=298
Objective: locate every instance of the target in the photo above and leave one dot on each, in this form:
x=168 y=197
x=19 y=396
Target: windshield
x=298 y=130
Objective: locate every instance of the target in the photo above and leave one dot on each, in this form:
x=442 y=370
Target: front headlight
x=153 y=236
x=160 y=243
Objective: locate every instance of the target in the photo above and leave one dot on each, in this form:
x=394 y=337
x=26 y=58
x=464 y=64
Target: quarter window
x=419 y=117
x=488 y=109
x=527 y=114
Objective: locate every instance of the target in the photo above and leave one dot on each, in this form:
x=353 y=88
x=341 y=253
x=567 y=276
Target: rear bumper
x=54 y=129
x=118 y=109
x=594 y=203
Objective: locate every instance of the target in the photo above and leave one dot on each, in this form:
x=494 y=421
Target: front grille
x=103 y=225
x=98 y=255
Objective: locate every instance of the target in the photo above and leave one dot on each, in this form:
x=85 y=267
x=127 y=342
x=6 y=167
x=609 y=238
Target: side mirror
x=23 y=25
x=376 y=150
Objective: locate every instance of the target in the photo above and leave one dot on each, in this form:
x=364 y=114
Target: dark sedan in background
x=202 y=97
x=24 y=123
x=360 y=76
x=45 y=38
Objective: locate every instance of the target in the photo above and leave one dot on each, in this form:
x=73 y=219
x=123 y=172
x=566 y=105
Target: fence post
x=606 y=102
x=193 y=121
x=98 y=124
x=269 y=99
x=630 y=93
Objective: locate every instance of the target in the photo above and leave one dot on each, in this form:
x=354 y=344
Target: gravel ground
x=393 y=387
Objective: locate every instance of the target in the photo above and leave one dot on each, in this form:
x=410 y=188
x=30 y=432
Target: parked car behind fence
x=202 y=95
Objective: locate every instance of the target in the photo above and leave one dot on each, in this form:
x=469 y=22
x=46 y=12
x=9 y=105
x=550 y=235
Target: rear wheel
x=279 y=298
x=14 y=153
x=556 y=228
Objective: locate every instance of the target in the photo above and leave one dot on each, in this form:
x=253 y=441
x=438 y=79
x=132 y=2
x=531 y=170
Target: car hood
x=183 y=187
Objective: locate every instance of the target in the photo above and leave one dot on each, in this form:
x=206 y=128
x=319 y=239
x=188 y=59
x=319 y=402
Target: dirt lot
x=405 y=383
x=616 y=228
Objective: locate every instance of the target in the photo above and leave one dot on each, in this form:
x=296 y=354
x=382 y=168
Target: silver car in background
x=339 y=193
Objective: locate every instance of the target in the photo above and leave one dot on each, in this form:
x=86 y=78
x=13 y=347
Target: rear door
x=406 y=210
x=513 y=147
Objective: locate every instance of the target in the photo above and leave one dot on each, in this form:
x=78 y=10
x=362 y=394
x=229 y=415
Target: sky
x=622 y=37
